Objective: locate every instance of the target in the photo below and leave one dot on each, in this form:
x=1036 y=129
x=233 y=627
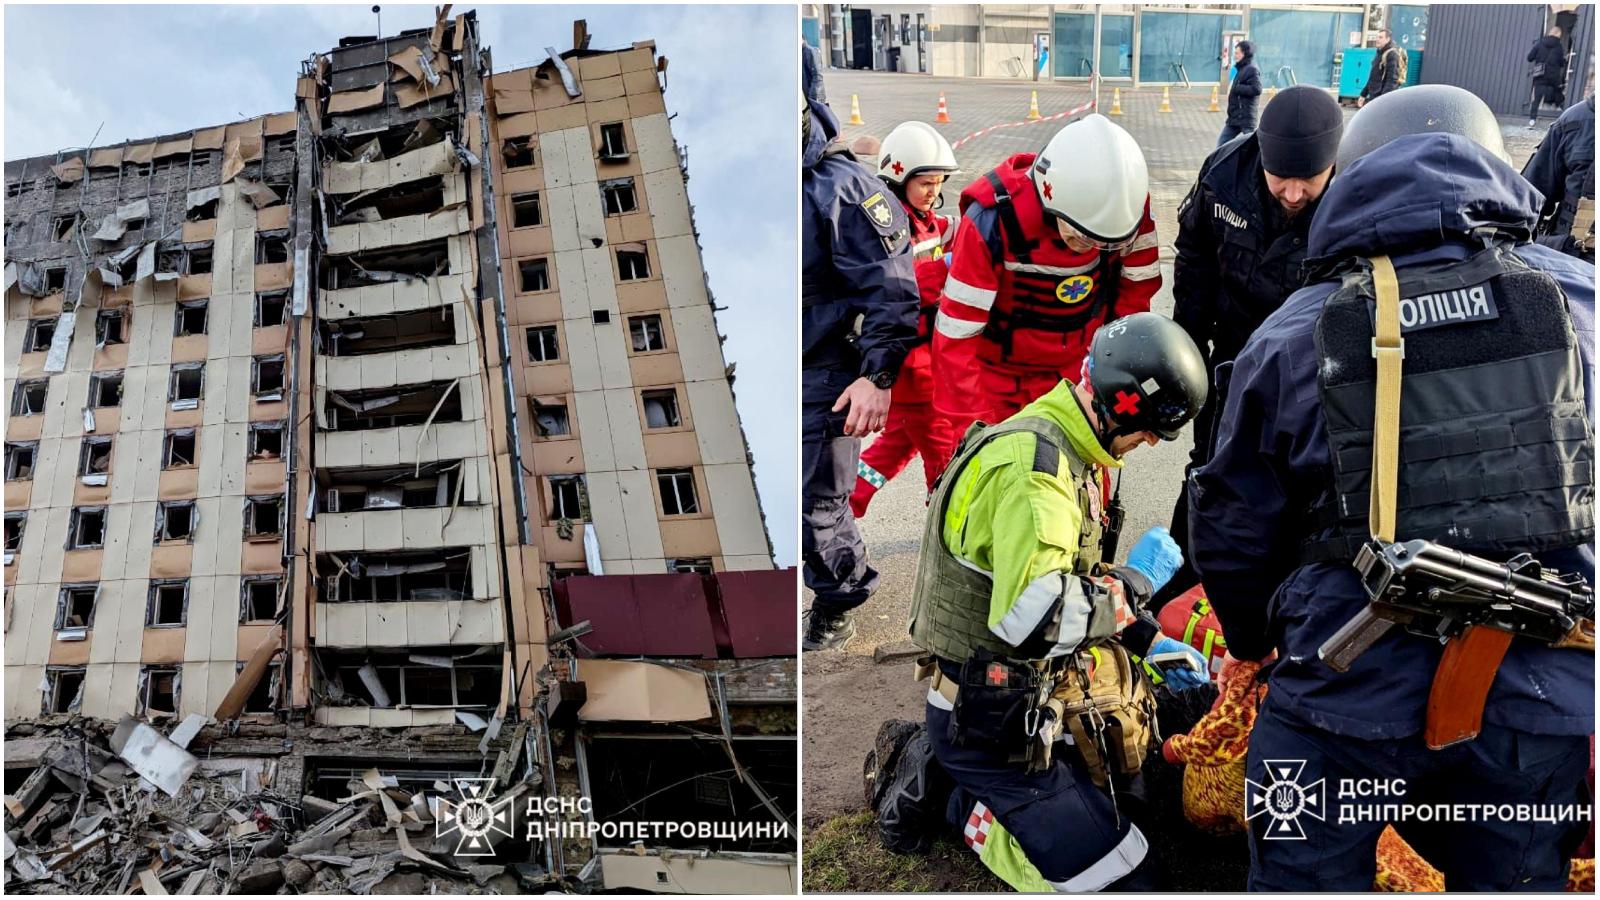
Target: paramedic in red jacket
x=914 y=162
x=1053 y=246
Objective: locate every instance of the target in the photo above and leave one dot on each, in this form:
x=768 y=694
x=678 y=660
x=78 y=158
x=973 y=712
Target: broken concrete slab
x=153 y=755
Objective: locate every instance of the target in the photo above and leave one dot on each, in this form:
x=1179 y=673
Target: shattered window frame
x=50 y=703
x=666 y=399
x=613 y=142
x=648 y=331
x=16 y=451
x=103 y=331
x=613 y=191
x=75 y=527
x=16 y=525
x=247 y=599
x=99 y=384
x=523 y=203
x=199 y=260
x=33 y=342
x=164 y=521
x=519 y=152
x=569 y=497
x=148 y=679
x=544 y=343
x=63 y=227
x=85 y=593
x=439 y=402
x=55 y=279
x=560 y=420
x=255 y=506
x=402 y=680
x=21 y=405
x=175 y=383
x=254 y=451
x=679 y=485
x=446 y=576
x=278 y=298
x=184 y=311
x=159 y=589
x=633 y=265
x=89 y=450
x=363 y=488
x=691 y=565
x=169 y=442
x=261 y=365
x=535 y=271
x=271 y=244
x=270 y=685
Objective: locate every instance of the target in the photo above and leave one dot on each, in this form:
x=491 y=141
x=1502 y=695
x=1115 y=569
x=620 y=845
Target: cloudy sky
x=139 y=71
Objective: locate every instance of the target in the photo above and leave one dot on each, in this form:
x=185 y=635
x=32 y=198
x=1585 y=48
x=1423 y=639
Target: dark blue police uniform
x=1424 y=200
x=1563 y=170
x=857 y=265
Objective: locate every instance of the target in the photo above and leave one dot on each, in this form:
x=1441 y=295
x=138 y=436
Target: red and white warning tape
x=1062 y=115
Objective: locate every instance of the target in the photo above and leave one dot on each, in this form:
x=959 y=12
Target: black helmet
x=1146 y=374
x=1423 y=109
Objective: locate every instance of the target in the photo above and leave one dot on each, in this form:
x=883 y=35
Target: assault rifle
x=1439 y=592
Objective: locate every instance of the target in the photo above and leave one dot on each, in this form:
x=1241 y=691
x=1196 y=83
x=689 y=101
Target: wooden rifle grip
x=1461 y=685
x=1579 y=637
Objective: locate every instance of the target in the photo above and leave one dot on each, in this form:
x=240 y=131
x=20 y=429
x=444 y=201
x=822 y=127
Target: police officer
x=1055 y=244
x=857 y=266
x=913 y=162
x=1563 y=170
x=1496 y=457
x=1241 y=239
x=1008 y=574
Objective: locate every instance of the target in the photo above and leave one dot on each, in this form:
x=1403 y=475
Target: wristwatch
x=883 y=380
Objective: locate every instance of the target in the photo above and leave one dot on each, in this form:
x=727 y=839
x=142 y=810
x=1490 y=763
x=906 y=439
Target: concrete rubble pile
x=131 y=810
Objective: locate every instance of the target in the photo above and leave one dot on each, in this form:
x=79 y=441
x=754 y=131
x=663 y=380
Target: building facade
x=312 y=416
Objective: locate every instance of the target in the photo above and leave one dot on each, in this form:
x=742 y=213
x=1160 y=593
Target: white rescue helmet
x=1092 y=176
x=913 y=148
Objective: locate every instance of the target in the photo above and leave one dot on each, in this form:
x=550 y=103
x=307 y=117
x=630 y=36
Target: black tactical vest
x=1496 y=448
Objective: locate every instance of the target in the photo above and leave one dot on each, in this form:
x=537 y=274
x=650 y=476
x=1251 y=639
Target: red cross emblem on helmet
x=1127 y=404
x=1046 y=190
x=898 y=168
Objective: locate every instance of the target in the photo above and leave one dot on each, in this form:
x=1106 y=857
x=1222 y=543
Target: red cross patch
x=898 y=168
x=996 y=674
x=1046 y=190
x=1127 y=404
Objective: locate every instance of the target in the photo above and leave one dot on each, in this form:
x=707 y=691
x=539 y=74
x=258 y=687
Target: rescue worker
x=856 y=266
x=1053 y=246
x=914 y=162
x=1563 y=170
x=1241 y=239
x=1009 y=583
x=1494 y=387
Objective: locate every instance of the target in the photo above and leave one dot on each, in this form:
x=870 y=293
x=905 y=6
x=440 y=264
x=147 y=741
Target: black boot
x=906 y=787
x=827 y=632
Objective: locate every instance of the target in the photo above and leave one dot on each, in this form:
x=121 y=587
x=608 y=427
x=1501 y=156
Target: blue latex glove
x=1156 y=556
x=1181 y=677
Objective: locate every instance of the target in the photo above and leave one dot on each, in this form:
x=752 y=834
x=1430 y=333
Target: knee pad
x=906 y=787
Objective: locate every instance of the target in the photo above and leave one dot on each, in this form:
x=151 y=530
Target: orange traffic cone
x=1213 y=107
x=944 y=113
x=1272 y=92
x=1033 y=107
x=855 y=111
x=1166 y=100
x=1116 y=101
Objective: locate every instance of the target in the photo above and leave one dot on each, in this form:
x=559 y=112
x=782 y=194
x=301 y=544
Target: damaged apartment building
x=380 y=443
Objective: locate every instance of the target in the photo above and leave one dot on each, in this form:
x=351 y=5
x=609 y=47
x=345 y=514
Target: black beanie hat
x=1299 y=132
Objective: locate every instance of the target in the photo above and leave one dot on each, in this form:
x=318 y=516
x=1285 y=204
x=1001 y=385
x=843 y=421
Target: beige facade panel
x=400 y=446
x=747 y=563
x=345 y=239
x=399 y=296
x=657 y=150
x=407 y=529
x=626 y=871
x=669 y=203
x=415 y=165
x=639 y=515
x=698 y=347
x=346 y=716
x=626 y=429
x=346 y=373
x=594 y=424
x=733 y=499
x=680 y=269
x=716 y=422
x=410 y=623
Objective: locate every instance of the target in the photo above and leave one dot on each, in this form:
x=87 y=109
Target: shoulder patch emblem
x=878 y=208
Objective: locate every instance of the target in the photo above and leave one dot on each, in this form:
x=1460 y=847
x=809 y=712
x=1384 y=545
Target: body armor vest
x=1496 y=449
x=950 y=605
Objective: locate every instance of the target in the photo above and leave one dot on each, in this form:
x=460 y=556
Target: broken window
x=168 y=606
x=179 y=452
x=617 y=196
x=94 y=460
x=175 y=521
x=517 y=152
x=412 y=330
x=15 y=523
x=20 y=459
x=199 y=260
x=266 y=377
x=533 y=275
x=55 y=279
x=661 y=409
x=266 y=441
x=646 y=333
x=282 y=144
x=542 y=344
x=199 y=159
x=64 y=693
x=158 y=690
x=188 y=383
x=191 y=317
x=613 y=142
x=385 y=265
x=271 y=307
x=392 y=407
x=29 y=398
x=550 y=419
x=601 y=316
x=14 y=189
x=203 y=212
x=569 y=498
x=525 y=210
x=62 y=227
x=170 y=262
x=131 y=225
x=395 y=576
x=632 y=265
x=75 y=606
x=108 y=327
x=677 y=492
x=165 y=164
x=105 y=390
x=556 y=571
x=87 y=527
x=264 y=699
x=410 y=198
x=272 y=247
x=136 y=170
x=263 y=516
x=428 y=484
x=417 y=677
x=692 y=565
x=258 y=598
x=40 y=333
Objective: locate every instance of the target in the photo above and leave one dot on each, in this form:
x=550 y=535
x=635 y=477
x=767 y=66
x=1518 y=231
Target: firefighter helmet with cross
x=911 y=149
x=1092 y=176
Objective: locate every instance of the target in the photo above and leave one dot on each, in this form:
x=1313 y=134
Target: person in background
x=1242 y=94
x=1549 y=67
x=1388 y=70
x=1563 y=170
